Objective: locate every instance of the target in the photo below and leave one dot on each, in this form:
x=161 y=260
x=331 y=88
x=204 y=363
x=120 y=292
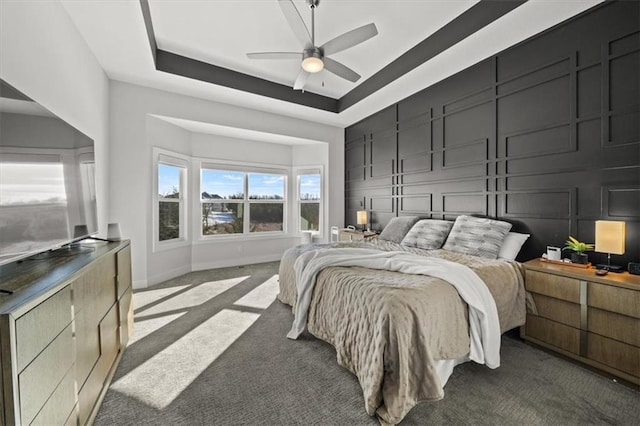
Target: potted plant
x=578 y=248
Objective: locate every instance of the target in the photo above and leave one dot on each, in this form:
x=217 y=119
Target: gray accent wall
x=545 y=135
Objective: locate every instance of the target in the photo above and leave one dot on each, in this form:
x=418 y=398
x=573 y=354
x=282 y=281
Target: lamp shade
x=361 y=218
x=610 y=236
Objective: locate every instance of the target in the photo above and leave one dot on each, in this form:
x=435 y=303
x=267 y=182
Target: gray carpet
x=262 y=378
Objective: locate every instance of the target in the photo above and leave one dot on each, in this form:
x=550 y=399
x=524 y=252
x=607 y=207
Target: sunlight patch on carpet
x=197 y=295
x=143 y=328
x=147 y=297
x=262 y=296
x=188 y=357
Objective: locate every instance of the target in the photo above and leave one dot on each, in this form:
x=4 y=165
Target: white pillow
x=511 y=245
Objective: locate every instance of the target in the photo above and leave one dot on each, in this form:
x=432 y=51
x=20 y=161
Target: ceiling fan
x=314 y=58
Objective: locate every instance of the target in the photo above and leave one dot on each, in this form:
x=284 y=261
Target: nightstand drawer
x=614 y=299
x=553 y=285
x=553 y=333
x=619 y=327
x=615 y=354
x=557 y=310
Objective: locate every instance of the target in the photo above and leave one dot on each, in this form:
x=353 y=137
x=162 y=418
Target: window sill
x=243 y=237
x=159 y=246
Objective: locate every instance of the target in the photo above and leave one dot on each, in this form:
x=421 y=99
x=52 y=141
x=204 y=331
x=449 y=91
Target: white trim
x=138 y=284
x=308 y=170
x=167 y=275
x=239 y=261
x=170 y=158
x=246 y=237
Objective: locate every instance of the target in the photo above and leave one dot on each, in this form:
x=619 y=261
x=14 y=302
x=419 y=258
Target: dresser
x=589 y=318
x=62 y=332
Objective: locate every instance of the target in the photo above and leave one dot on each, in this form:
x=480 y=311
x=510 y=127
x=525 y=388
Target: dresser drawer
x=59 y=406
x=88 y=289
x=38 y=327
x=553 y=286
x=615 y=354
x=124 y=270
x=553 y=333
x=614 y=299
x=557 y=310
x=619 y=327
x=39 y=380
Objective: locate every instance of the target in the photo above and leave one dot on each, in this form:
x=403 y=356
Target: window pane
x=309 y=216
x=168 y=181
x=221 y=184
x=169 y=220
x=266 y=187
x=310 y=187
x=222 y=218
x=266 y=217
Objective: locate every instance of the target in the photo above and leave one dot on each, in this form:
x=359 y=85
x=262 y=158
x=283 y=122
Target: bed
x=401 y=333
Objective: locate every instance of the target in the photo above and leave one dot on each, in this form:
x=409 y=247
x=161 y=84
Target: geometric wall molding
x=545 y=134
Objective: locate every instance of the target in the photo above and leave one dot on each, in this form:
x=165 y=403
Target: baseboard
x=237 y=262
x=167 y=275
x=140 y=284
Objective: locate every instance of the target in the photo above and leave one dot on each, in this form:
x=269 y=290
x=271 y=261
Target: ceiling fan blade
x=275 y=55
x=340 y=70
x=301 y=80
x=295 y=22
x=349 y=39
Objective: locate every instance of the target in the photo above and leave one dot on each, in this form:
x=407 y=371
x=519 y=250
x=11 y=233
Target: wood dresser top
x=623 y=279
x=32 y=278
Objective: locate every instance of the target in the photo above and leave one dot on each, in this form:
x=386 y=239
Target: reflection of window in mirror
x=33 y=203
x=88 y=184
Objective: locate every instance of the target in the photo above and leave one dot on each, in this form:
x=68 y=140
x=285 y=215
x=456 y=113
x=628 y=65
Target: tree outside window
x=169 y=201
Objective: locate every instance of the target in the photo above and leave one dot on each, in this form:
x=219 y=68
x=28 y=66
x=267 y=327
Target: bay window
x=242 y=201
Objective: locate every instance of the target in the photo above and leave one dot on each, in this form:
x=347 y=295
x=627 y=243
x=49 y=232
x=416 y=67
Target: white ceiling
x=223 y=31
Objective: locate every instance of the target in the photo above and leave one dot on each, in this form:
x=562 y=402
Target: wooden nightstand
x=589 y=318
x=355 y=235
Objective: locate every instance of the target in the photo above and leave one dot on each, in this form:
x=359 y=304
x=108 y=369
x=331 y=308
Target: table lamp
x=361 y=218
x=610 y=237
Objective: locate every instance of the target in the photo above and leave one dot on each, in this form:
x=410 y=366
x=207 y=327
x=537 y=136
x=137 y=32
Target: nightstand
x=589 y=318
x=355 y=235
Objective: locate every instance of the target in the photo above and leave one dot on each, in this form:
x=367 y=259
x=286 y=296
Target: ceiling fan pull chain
x=313 y=24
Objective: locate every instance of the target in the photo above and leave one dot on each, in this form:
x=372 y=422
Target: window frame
x=173 y=159
x=246 y=202
x=303 y=171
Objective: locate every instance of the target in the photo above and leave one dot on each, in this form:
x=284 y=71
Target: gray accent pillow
x=428 y=234
x=397 y=228
x=477 y=236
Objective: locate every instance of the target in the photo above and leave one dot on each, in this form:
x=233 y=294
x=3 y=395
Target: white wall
x=44 y=56
x=166 y=264
x=132 y=141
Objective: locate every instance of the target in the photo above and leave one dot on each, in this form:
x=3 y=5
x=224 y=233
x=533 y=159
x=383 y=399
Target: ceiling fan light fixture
x=312 y=61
